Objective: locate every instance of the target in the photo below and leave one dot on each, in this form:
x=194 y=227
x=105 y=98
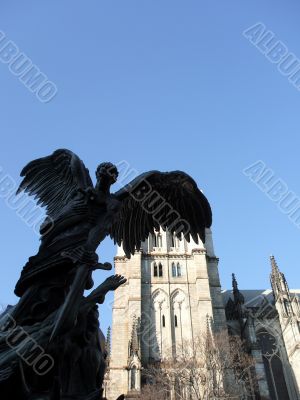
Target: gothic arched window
x=173 y=270
x=160 y=270
x=178 y=269
x=163 y=321
x=274 y=368
x=155 y=270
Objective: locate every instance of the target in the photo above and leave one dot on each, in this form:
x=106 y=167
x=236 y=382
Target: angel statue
x=54 y=316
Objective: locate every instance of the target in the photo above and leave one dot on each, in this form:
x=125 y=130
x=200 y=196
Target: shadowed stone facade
x=172 y=288
x=269 y=321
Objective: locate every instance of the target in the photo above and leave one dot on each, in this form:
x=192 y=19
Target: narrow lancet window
x=178 y=269
x=160 y=268
x=159 y=240
x=173 y=270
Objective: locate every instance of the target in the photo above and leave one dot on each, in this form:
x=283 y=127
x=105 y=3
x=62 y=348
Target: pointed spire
x=234 y=283
x=278 y=281
x=275 y=270
x=274 y=276
x=209 y=340
x=238 y=297
x=207 y=324
x=134 y=343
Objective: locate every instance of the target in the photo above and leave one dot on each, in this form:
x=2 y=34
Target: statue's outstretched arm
x=98 y=295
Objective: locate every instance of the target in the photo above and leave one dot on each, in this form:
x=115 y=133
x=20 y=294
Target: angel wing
x=53 y=179
x=171 y=200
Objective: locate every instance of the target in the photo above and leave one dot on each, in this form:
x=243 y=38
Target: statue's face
x=107 y=172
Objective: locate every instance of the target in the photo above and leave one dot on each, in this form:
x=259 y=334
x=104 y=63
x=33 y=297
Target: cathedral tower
x=172 y=288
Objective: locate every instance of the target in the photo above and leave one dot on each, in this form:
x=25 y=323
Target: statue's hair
x=110 y=168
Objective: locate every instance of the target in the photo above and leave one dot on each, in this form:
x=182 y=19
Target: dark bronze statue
x=53 y=321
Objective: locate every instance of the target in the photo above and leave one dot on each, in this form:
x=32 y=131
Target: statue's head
x=107 y=172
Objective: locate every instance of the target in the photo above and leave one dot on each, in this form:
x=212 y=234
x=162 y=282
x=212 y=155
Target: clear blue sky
x=165 y=85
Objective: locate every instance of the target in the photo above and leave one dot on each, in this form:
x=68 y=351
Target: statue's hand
x=106 y=266
x=113 y=282
x=98 y=295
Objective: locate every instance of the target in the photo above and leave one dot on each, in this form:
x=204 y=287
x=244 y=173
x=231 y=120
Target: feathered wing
x=53 y=179
x=171 y=200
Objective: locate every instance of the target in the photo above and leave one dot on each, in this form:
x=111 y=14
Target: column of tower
x=124 y=358
x=172 y=287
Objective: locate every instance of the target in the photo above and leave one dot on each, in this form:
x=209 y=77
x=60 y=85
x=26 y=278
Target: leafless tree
x=154 y=391
x=209 y=367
